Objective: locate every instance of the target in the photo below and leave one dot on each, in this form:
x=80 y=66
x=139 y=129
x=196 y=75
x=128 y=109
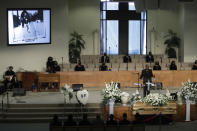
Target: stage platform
x=49 y=97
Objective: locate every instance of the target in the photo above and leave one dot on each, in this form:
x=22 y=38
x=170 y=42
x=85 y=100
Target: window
x=114 y=31
x=131 y=6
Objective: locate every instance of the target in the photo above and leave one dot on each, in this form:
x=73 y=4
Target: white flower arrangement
x=168 y=95
x=189 y=91
x=124 y=94
x=82 y=96
x=155 y=99
x=111 y=92
x=135 y=96
x=68 y=92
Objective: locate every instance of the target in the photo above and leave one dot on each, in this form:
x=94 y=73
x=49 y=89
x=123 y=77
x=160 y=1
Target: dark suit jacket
x=105 y=59
x=79 y=68
x=149 y=58
x=173 y=67
x=126 y=59
x=194 y=67
x=146 y=75
x=156 y=67
x=103 y=68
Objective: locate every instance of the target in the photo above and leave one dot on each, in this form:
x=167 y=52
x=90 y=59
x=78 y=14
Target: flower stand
x=111 y=107
x=188 y=102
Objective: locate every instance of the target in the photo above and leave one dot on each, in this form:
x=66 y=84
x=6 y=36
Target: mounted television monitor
x=29 y=26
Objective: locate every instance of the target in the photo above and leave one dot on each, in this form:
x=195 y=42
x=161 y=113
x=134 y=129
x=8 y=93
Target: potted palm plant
x=172 y=41
x=76 y=44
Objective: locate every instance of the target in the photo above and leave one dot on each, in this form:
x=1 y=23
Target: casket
x=146 y=109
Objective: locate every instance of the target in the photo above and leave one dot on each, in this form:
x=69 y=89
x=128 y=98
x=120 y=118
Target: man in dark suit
x=194 y=67
x=105 y=58
x=147 y=75
x=103 y=67
x=149 y=57
x=156 y=66
x=173 y=66
x=79 y=67
x=126 y=58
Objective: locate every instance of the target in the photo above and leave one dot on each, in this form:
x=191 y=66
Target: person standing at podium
x=146 y=75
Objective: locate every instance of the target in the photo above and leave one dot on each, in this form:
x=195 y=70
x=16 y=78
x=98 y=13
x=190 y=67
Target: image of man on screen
x=28 y=26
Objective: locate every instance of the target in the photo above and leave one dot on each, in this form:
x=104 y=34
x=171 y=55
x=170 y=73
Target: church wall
x=33 y=57
x=159 y=21
x=84 y=18
x=190 y=32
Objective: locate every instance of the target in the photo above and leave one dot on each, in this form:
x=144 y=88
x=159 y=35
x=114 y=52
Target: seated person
x=124 y=121
x=10 y=77
x=50 y=63
x=79 y=67
x=105 y=58
x=156 y=66
x=56 y=67
x=126 y=58
x=173 y=66
x=70 y=121
x=149 y=57
x=98 y=120
x=138 y=119
x=103 y=67
x=84 y=121
x=55 y=121
x=194 y=67
x=111 y=120
x=50 y=69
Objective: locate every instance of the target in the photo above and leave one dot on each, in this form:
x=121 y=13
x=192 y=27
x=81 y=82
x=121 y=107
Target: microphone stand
x=62 y=63
x=138 y=80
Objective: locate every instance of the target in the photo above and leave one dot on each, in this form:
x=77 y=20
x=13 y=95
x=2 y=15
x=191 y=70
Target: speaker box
x=19 y=92
x=158 y=85
x=77 y=87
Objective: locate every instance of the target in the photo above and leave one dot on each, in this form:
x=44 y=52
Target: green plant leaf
x=76 y=44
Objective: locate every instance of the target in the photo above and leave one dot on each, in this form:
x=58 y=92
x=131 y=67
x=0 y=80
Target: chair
x=72 y=65
x=123 y=66
x=65 y=67
x=114 y=60
x=108 y=65
x=173 y=59
x=159 y=60
x=186 y=66
x=165 y=60
x=89 y=69
x=164 y=66
x=115 y=66
x=131 y=66
x=70 y=69
x=88 y=60
x=96 y=60
x=139 y=67
x=178 y=66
